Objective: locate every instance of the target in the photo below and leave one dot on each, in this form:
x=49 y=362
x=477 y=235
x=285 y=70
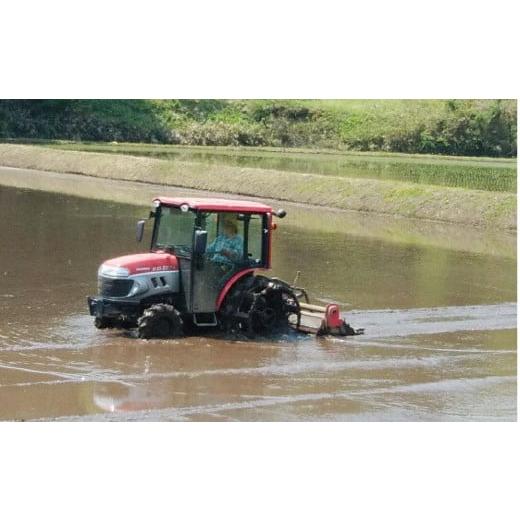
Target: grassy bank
x=367 y=195
x=484 y=173
x=453 y=127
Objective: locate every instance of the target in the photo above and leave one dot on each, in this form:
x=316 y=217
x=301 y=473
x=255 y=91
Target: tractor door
x=211 y=270
x=234 y=242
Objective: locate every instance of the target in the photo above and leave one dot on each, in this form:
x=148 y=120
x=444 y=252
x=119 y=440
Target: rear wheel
x=259 y=305
x=160 y=321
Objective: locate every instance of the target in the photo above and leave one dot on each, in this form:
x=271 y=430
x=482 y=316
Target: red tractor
x=201 y=271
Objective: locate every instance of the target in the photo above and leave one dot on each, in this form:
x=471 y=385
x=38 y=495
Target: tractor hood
x=128 y=265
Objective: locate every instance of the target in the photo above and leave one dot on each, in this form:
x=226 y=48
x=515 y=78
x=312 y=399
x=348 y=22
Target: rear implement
x=320 y=319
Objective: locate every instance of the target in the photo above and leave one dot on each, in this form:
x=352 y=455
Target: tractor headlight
x=138 y=288
x=113 y=271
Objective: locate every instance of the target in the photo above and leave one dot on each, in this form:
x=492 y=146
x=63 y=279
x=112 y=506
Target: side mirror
x=139 y=230
x=280 y=213
x=200 y=241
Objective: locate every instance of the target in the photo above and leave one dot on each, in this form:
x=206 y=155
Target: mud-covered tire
x=103 y=323
x=258 y=305
x=160 y=321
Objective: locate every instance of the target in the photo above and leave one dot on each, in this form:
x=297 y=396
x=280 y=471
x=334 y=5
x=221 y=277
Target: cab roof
x=210 y=204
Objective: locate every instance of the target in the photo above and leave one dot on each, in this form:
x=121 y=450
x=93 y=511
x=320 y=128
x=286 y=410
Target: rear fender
x=229 y=285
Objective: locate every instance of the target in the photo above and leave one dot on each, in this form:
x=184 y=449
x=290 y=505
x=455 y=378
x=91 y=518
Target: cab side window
x=255 y=240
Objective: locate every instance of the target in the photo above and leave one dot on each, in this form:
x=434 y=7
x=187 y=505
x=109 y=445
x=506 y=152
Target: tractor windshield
x=174 y=230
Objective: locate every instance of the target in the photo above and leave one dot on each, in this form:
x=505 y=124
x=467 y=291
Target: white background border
x=232 y=49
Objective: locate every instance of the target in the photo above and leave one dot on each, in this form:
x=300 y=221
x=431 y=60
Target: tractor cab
x=215 y=242
x=201 y=270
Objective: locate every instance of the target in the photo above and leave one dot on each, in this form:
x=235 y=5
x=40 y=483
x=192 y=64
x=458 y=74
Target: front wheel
x=103 y=323
x=160 y=321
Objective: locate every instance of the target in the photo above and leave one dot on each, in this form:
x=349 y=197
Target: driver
x=227 y=248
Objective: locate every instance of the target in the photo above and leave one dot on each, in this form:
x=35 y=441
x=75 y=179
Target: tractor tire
x=160 y=321
x=104 y=323
x=259 y=305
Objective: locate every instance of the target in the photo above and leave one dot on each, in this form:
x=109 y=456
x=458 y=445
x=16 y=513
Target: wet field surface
x=440 y=340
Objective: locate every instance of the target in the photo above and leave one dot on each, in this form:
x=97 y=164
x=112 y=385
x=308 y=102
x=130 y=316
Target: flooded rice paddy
x=476 y=173
x=440 y=320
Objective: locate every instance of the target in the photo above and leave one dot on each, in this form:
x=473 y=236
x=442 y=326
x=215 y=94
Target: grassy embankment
x=452 y=127
x=482 y=173
x=465 y=206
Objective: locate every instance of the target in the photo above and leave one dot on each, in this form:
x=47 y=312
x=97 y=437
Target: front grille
x=114 y=287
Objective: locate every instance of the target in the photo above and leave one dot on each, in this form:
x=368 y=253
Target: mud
x=440 y=323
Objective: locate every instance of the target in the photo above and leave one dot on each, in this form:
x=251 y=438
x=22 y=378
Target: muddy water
x=440 y=322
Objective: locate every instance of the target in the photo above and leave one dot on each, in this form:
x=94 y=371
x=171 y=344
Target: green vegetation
x=337 y=153
x=494 y=209
x=482 y=173
x=452 y=127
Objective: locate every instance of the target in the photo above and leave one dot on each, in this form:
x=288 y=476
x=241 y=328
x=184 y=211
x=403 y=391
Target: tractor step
x=205 y=319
